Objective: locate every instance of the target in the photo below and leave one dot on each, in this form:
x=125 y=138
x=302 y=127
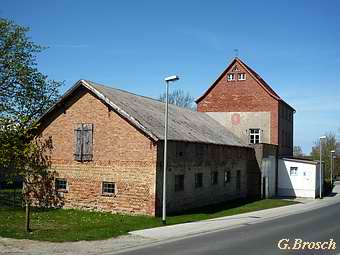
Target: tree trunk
x=28 y=217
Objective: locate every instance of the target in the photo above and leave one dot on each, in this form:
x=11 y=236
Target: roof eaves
x=212 y=143
x=66 y=94
x=288 y=105
x=313 y=162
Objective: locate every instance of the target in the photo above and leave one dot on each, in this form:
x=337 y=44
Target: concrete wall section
x=266 y=155
x=189 y=159
x=240 y=122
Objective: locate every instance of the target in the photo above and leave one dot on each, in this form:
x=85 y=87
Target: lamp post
x=167 y=81
x=320 y=184
x=332 y=166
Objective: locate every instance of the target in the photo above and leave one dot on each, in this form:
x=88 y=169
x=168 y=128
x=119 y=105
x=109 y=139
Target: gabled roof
x=256 y=76
x=147 y=115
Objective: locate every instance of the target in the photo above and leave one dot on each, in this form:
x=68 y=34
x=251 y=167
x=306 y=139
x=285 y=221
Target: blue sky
x=294 y=45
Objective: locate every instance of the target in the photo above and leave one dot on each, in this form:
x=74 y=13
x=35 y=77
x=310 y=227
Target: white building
x=299 y=178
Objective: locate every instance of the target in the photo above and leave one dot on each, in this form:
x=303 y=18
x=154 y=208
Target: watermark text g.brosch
x=299 y=244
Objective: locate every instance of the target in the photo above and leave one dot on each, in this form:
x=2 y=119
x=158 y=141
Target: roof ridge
x=135 y=94
x=122 y=90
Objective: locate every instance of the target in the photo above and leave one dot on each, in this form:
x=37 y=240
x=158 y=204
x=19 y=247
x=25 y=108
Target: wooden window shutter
x=78 y=142
x=87 y=138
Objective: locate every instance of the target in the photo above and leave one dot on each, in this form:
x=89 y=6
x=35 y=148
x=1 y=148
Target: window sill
x=108 y=194
x=62 y=190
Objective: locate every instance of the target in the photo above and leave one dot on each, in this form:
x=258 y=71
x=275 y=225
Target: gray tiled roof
x=184 y=124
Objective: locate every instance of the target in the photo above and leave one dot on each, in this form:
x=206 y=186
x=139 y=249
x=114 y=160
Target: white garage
x=298 y=178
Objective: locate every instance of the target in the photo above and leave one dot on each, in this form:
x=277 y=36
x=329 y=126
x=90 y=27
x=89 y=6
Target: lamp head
x=171 y=78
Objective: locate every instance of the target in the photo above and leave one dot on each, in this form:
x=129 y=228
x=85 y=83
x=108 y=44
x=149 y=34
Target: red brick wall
x=121 y=154
x=241 y=96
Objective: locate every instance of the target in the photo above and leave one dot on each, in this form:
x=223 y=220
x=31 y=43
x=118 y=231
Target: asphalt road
x=261 y=238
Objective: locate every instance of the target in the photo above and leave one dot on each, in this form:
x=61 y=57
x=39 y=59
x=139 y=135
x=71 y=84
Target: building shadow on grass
x=215 y=208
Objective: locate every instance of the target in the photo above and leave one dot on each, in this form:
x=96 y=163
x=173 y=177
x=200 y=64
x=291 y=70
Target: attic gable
x=233 y=68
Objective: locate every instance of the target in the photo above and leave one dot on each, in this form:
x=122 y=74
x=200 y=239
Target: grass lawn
x=59 y=225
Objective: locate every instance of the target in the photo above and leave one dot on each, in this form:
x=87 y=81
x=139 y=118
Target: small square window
x=227 y=176
x=241 y=76
x=293 y=171
x=254 y=136
x=60 y=184
x=179 y=182
x=108 y=188
x=214 y=178
x=198 y=180
x=230 y=77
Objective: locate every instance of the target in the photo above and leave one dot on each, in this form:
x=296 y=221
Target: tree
x=25 y=94
x=328 y=145
x=297 y=151
x=180 y=98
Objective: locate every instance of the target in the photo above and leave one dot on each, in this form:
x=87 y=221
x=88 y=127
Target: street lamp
x=332 y=166
x=321 y=138
x=167 y=81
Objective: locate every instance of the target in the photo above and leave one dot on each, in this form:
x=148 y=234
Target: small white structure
x=299 y=178
x=268 y=174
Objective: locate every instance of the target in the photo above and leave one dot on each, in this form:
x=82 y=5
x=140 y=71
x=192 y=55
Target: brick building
x=246 y=105
x=108 y=154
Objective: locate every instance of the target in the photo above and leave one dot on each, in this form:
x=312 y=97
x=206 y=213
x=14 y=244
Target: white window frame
x=227 y=176
x=254 y=135
x=241 y=76
x=230 y=77
x=293 y=171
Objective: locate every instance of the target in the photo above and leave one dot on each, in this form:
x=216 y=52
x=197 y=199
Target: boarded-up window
x=214 y=177
x=179 y=182
x=83 y=142
x=198 y=180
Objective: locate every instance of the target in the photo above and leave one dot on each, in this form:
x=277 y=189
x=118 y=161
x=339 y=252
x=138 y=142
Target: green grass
x=59 y=225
